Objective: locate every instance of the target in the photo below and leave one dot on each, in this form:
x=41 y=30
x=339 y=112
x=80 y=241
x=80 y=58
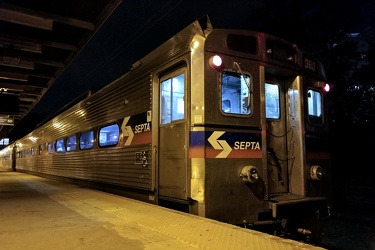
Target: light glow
x=327 y=88
x=216 y=61
x=33 y=138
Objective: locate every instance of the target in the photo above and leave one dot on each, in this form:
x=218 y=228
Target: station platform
x=38 y=213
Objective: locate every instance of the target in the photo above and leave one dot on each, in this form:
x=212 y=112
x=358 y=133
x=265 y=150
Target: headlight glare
x=316 y=173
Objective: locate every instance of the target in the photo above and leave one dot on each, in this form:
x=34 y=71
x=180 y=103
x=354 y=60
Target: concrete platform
x=38 y=213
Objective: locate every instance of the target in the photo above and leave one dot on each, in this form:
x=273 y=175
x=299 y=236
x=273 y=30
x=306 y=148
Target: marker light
x=327 y=88
x=323 y=85
x=215 y=61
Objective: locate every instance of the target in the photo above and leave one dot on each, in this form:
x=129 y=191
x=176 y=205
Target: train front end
x=259 y=140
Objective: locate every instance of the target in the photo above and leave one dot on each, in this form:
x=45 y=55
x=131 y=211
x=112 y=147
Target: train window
x=42 y=148
x=109 y=135
x=86 y=140
x=314 y=105
x=172 y=99
x=4 y=141
x=235 y=93
x=60 y=147
x=272 y=99
x=71 y=143
x=50 y=148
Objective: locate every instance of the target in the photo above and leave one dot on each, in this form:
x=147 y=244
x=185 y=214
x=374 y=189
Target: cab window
x=235 y=93
x=314 y=105
x=109 y=135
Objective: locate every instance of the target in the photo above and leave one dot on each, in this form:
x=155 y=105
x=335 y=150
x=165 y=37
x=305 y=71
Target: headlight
x=316 y=173
x=249 y=174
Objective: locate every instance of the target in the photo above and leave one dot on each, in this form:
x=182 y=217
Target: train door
x=277 y=134
x=172 y=156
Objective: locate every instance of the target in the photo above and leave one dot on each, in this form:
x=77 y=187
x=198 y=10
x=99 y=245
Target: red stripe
x=141 y=138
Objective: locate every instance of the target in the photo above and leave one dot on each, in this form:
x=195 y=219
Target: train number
x=310 y=64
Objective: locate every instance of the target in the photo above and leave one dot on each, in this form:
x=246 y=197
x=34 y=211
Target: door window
x=172 y=99
x=272 y=99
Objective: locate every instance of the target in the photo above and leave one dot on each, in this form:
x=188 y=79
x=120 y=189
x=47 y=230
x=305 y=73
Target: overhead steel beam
x=25 y=19
x=35 y=18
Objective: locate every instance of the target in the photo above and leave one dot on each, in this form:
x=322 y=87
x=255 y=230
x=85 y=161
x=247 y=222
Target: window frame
x=279 y=96
x=164 y=77
x=50 y=147
x=312 y=119
x=80 y=140
x=111 y=144
x=250 y=94
x=67 y=141
x=63 y=147
x=41 y=148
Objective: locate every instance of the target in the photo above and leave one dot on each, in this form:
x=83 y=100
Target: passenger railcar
x=226 y=124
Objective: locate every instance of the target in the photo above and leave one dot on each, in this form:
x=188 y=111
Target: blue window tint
x=172 y=99
x=71 y=143
x=235 y=94
x=109 y=135
x=50 y=148
x=4 y=141
x=86 y=140
x=314 y=104
x=272 y=99
x=60 y=147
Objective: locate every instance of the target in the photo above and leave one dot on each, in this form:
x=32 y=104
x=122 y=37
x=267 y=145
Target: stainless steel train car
x=222 y=123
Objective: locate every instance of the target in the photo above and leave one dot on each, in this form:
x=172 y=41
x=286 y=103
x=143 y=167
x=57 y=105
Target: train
x=227 y=124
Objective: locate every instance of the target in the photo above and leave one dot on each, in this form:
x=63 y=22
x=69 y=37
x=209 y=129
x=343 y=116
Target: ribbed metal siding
x=114 y=165
x=101 y=109
x=128 y=95
x=110 y=165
